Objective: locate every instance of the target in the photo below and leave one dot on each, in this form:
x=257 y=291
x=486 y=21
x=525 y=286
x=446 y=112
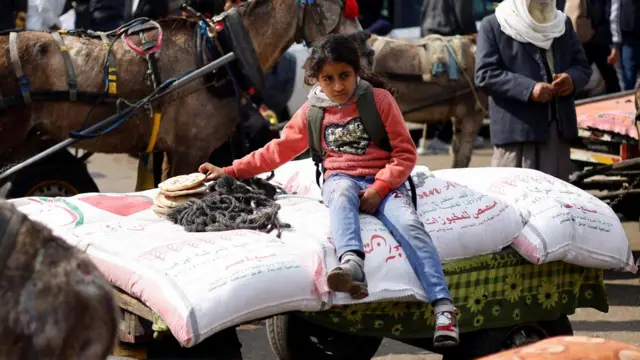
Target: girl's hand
x=369 y=201
x=213 y=172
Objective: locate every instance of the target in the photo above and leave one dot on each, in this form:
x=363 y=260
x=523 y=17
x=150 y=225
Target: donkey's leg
x=465 y=130
x=185 y=163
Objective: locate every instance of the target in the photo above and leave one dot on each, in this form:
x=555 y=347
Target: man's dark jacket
x=447 y=17
x=507 y=71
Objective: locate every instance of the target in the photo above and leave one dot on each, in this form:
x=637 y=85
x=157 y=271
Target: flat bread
x=182 y=182
x=195 y=191
x=172 y=201
x=162 y=211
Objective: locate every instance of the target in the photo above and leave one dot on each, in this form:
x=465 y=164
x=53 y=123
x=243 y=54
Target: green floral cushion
x=495 y=290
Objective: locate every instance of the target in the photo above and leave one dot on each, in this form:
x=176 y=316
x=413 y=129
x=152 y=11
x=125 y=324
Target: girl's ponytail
x=377 y=81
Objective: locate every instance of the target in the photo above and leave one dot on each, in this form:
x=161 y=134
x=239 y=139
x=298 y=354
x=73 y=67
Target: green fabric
x=490 y=291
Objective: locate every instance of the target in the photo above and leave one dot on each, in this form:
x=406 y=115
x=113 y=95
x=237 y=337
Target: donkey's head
x=367 y=54
x=275 y=24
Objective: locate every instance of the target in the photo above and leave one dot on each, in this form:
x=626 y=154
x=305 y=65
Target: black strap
x=315 y=115
x=60 y=95
x=72 y=81
x=370 y=117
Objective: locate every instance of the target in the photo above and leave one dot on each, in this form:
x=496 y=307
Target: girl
x=359 y=175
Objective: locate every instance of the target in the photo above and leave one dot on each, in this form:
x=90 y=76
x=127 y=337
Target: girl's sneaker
x=447 y=333
x=349 y=277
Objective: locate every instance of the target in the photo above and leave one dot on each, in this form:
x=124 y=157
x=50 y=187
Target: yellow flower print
x=355 y=328
x=354 y=312
x=397 y=309
x=565 y=298
x=528 y=299
x=396 y=329
x=496 y=310
x=477 y=299
x=478 y=320
x=577 y=283
x=547 y=294
x=516 y=314
x=430 y=317
x=513 y=287
x=588 y=294
x=378 y=324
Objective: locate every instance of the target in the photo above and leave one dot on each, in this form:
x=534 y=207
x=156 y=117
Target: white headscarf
x=516 y=21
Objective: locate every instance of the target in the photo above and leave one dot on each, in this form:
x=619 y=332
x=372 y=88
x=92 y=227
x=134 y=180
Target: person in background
x=446 y=18
x=531 y=64
x=376 y=16
x=12 y=14
x=152 y=9
x=44 y=15
x=591 y=21
x=625 y=30
x=99 y=15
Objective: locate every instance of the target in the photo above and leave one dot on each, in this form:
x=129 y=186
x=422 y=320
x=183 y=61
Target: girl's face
x=338 y=81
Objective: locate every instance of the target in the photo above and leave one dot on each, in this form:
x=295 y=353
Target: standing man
x=447 y=17
x=531 y=64
x=590 y=19
x=625 y=29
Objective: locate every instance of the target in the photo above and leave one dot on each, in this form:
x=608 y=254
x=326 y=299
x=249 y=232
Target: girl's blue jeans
x=396 y=211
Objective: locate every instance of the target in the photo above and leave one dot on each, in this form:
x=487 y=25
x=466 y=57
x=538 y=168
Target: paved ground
x=116 y=173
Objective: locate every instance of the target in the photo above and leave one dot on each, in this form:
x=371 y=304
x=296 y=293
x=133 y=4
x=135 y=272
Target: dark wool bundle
x=232 y=204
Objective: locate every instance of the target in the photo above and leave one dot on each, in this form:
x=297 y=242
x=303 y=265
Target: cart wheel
x=67 y=177
x=487 y=342
x=293 y=338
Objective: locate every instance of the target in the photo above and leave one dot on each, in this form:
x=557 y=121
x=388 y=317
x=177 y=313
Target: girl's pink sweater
x=390 y=169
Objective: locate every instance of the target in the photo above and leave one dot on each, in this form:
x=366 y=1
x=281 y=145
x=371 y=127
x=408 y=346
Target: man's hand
x=562 y=84
x=213 y=172
x=369 y=201
x=542 y=92
x=613 y=57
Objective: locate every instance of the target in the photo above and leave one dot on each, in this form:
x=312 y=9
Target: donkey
x=434 y=77
x=194 y=121
x=56 y=305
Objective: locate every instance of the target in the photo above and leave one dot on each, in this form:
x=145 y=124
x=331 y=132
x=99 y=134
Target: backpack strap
x=315 y=115
x=372 y=122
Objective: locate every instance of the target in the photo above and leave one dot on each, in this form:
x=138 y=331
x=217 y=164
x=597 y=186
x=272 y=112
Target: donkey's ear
x=4 y=190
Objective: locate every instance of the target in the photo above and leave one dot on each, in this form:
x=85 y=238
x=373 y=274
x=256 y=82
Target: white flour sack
x=462 y=222
x=198 y=283
x=564 y=222
x=388 y=272
x=297 y=177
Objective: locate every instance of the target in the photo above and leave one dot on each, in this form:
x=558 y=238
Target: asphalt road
x=116 y=173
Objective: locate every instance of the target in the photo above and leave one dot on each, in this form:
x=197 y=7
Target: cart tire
x=487 y=342
x=56 y=178
x=293 y=338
